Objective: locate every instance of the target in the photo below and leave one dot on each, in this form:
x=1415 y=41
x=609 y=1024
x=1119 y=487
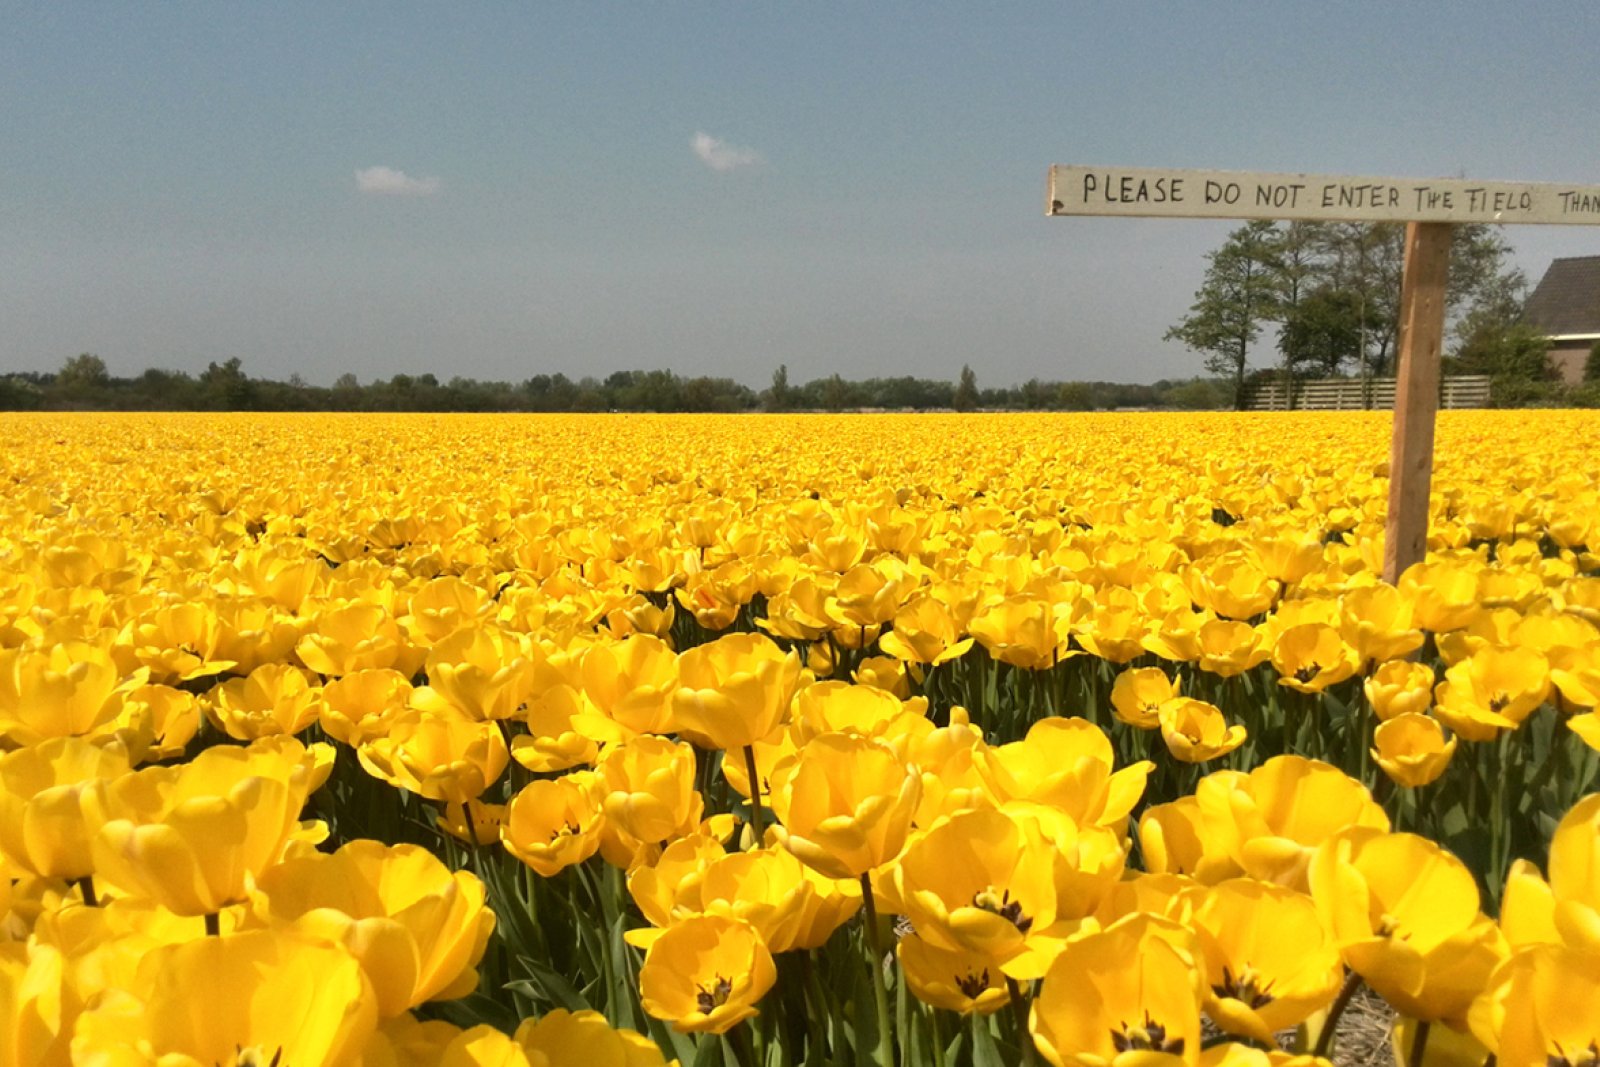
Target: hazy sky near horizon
x=498 y=190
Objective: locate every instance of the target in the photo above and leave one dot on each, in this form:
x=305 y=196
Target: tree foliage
x=1332 y=290
x=1240 y=291
x=966 y=394
x=83 y=373
x=226 y=386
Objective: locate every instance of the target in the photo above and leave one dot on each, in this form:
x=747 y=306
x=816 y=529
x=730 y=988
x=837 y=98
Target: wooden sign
x=1225 y=194
x=1428 y=207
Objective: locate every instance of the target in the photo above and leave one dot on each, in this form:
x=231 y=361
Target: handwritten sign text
x=1221 y=194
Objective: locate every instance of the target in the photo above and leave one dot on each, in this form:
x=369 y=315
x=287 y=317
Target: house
x=1565 y=306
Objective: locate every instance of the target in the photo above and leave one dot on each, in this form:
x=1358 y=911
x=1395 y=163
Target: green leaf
x=546 y=984
x=985 y=1050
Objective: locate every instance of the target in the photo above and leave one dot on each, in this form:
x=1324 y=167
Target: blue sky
x=713 y=188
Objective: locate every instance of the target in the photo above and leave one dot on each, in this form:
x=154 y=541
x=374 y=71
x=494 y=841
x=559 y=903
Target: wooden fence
x=1354 y=394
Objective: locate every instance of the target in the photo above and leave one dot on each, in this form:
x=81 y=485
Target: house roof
x=1567 y=298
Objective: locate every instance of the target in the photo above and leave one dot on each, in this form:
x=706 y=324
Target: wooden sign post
x=1428 y=207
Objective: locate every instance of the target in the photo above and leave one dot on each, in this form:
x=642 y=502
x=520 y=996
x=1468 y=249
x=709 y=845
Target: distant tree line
x=1331 y=291
x=83 y=383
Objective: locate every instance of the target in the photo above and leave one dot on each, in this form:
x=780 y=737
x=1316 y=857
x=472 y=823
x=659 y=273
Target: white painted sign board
x=1224 y=194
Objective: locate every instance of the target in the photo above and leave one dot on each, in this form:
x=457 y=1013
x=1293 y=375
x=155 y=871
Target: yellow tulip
x=1021 y=631
x=869 y=595
x=886 y=673
x=1128 y=995
x=1400 y=687
x=556 y=739
x=177 y=643
x=1313 y=656
x=1002 y=885
x=1405 y=915
x=1493 y=690
x=1567 y=908
x=1178 y=838
x=637 y=615
x=767 y=888
x=1587 y=727
x=953 y=979
x=800 y=612
x=1229 y=648
x=631 y=683
x=1541 y=1008
x=1269 y=965
x=163 y=719
x=417 y=928
x=650 y=788
x=956 y=771
x=1137 y=696
x=37 y=1005
x=673 y=876
x=276 y=998
x=1067 y=764
x=68 y=690
x=561 y=1038
x=354 y=637
x=474 y=822
x=1196 y=732
x=485 y=672
x=845 y=804
x=925 y=632
x=1443 y=596
x=362 y=704
x=555 y=823
x=1577 y=675
x=1232 y=585
x=1175 y=635
x=190 y=837
x=441 y=756
x=1281 y=813
x=441 y=607
x=274 y=699
x=1376 y=622
x=52 y=802
x=706 y=974
x=734 y=691
x=1412 y=749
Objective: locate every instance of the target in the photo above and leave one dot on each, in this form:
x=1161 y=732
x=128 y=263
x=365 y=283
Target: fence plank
x=1344 y=394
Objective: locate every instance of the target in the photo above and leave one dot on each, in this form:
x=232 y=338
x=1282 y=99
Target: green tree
x=1322 y=333
x=966 y=394
x=226 y=386
x=1296 y=261
x=1075 y=396
x=1591 y=367
x=1509 y=351
x=780 y=397
x=82 y=374
x=1239 y=292
x=835 y=393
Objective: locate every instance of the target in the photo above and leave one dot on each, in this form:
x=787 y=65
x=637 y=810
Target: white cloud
x=719 y=155
x=386 y=181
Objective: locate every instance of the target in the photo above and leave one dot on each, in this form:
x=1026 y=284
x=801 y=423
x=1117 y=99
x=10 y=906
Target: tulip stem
x=86 y=887
x=756 y=837
x=1019 y=1008
x=1331 y=1023
x=1419 y=1044
x=937 y=1035
x=880 y=992
x=213 y=924
x=744 y=1049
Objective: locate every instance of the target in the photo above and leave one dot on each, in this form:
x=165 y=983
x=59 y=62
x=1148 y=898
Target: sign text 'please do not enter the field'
x=1222 y=194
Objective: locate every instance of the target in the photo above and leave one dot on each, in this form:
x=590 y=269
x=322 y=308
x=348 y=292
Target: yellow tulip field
x=782 y=740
